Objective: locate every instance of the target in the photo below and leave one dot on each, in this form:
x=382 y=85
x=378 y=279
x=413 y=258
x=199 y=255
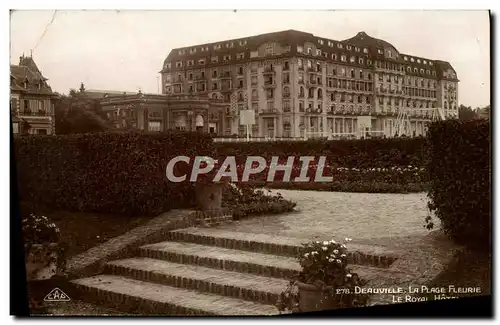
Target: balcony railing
x=225 y=75
x=39 y=113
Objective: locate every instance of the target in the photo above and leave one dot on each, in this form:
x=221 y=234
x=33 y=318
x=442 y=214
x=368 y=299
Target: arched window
x=320 y=93
x=301 y=91
x=445 y=105
x=240 y=96
x=254 y=94
x=286 y=91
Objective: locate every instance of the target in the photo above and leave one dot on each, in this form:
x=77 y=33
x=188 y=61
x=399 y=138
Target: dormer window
x=243 y=42
x=405 y=58
x=181 y=52
x=418 y=60
x=320 y=41
x=340 y=46
x=357 y=49
x=193 y=50
x=412 y=60
x=229 y=45
x=425 y=62
x=430 y=63
x=348 y=47
x=217 y=47
x=330 y=44
x=168 y=65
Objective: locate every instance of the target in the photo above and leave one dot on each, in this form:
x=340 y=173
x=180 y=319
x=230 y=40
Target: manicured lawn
x=81 y=231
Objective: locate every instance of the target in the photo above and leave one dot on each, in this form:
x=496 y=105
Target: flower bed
x=325 y=281
x=245 y=200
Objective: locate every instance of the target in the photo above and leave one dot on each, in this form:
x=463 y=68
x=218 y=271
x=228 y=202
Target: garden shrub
x=114 y=172
x=366 y=153
x=459 y=172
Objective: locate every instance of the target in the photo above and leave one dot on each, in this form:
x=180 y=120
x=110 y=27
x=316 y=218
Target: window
x=215 y=59
x=412 y=59
x=405 y=58
x=352 y=73
x=380 y=51
x=214 y=86
x=353 y=59
x=300 y=49
x=243 y=43
x=320 y=41
x=286 y=92
x=330 y=44
x=193 y=50
x=226 y=58
x=361 y=74
x=254 y=80
x=343 y=58
x=309 y=64
x=340 y=46
x=348 y=47
x=301 y=107
x=300 y=63
x=334 y=57
x=357 y=49
x=365 y=50
x=229 y=45
x=318 y=52
x=201 y=61
x=389 y=54
x=255 y=96
x=190 y=76
x=214 y=74
x=361 y=61
x=325 y=54
x=217 y=47
x=154 y=126
x=190 y=63
x=286 y=66
x=240 y=70
x=422 y=71
x=428 y=72
x=168 y=65
x=240 y=56
x=254 y=54
x=415 y=70
x=269 y=50
x=369 y=62
x=286 y=109
x=434 y=73
x=342 y=72
x=181 y=52
x=178 y=64
x=309 y=50
x=430 y=63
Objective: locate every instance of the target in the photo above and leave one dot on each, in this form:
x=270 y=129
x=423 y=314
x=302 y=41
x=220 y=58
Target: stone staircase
x=209 y=271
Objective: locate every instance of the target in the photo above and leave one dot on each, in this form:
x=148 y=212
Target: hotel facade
x=302 y=86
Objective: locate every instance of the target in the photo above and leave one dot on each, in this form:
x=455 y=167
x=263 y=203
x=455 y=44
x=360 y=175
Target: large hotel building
x=301 y=85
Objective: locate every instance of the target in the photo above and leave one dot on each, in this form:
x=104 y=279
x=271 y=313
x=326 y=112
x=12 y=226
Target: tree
x=466 y=113
x=79 y=115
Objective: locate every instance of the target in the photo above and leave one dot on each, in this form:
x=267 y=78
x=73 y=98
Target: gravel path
x=382 y=219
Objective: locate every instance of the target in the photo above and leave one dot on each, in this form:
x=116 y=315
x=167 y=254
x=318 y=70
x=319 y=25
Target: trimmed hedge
x=106 y=172
x=363 y=153
x=459 y=168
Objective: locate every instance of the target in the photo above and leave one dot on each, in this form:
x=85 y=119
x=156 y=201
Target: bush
x=370 y=153
x=459 y=168
x=245 y=200
x=119 y=173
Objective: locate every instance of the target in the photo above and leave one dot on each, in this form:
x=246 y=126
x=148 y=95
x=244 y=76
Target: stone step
x=223 y=258
x=149 y=298
x=249 y=262
x=225 y=283
x=278 y=245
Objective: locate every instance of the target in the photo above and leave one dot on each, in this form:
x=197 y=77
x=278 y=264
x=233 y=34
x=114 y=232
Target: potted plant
x=325 y=281
x=44 y=256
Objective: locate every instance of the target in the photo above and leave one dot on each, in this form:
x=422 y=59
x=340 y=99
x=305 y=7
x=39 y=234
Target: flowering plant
x=42 y=239
x=324 y=265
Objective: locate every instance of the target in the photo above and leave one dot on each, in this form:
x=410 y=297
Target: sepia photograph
x=251 y=162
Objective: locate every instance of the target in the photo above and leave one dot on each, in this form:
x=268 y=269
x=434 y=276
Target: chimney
x=82 y=87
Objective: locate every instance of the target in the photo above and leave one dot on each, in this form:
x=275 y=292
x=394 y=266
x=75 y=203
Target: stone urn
x=314 y=298
x=209 y=193
x=41 y=261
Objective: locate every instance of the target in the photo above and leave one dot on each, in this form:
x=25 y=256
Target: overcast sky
x=124 y=50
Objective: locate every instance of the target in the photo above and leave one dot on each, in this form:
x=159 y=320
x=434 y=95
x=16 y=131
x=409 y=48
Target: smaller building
x=155 y=112
x=31 y=99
